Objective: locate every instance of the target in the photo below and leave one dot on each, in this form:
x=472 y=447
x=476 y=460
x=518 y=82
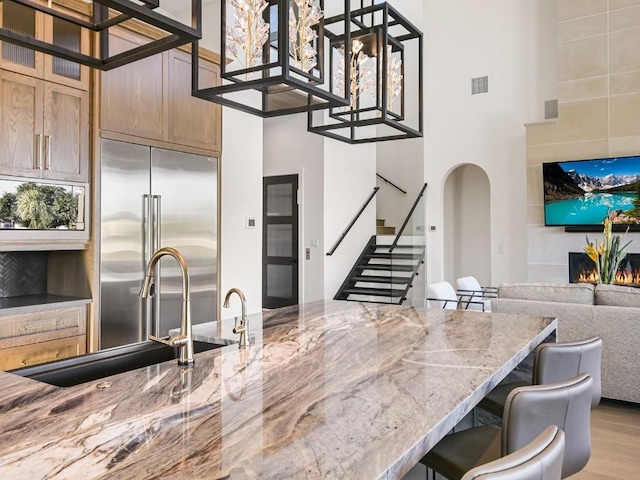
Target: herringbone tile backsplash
x=23 y=273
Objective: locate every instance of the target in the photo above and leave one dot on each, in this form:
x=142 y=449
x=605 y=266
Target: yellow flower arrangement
x=606 y=255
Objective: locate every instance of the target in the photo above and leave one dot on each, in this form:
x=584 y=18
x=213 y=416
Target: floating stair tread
x=380 y=292
x=384 y=245
x=387 y=267
x=386 y=230
x=395 y=256
x=381 y=279
x=376 y=301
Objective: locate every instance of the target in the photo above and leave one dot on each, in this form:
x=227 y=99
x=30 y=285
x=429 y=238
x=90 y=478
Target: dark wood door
x=280 y=241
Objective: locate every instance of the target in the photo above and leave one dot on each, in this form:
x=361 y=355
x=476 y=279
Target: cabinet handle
x=47 y=149
x=38 y=159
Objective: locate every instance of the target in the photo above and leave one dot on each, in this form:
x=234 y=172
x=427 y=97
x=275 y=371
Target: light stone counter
x=330 y=390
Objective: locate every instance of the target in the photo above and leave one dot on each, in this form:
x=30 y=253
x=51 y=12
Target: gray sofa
x=608 y=311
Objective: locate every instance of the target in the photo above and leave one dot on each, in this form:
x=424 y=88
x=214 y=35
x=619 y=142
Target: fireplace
x=582 y=269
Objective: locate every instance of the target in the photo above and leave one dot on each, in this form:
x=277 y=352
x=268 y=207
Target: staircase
x=382 y=229
x=382 y=277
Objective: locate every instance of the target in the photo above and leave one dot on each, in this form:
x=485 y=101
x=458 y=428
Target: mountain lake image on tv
x=584 y=192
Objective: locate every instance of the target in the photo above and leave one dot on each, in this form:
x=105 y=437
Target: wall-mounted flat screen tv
x=584 y=192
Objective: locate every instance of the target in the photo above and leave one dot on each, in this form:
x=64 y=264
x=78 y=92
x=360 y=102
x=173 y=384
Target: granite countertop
x=329 y=390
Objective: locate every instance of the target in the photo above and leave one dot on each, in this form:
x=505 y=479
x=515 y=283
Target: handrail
x=355 y=219
x=406 y=220
x=391 y=183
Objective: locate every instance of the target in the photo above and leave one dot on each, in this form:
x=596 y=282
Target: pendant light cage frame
x=270 y=83
x=106 y=14
x=386 y=39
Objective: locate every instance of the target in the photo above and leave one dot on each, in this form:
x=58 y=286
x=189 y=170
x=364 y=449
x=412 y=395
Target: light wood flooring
x=615 y=441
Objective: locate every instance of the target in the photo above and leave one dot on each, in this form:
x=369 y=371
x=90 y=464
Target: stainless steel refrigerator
x=153 y=198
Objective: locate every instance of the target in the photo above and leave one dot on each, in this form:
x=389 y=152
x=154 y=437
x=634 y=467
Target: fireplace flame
x=623 y=277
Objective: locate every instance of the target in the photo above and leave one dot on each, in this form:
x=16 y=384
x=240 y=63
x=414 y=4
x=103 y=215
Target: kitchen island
x=328 y=389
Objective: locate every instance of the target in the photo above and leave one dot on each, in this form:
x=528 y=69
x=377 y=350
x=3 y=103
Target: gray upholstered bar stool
x=554 y=362
x=540 y=460
x=528 y=411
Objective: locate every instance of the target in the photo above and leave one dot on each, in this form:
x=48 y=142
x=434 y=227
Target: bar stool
x=528 y=411
x=540 y=460
x=554 y=362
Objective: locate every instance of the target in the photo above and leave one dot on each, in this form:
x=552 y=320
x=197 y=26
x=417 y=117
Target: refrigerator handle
x=145 y=327
x=156 y=215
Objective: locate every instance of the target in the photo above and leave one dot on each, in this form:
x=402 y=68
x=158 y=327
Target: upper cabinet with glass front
x=24 y=20
x=44 y=101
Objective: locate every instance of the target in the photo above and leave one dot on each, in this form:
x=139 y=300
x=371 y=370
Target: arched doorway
x=467 y=224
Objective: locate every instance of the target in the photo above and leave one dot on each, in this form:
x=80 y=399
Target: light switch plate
x=249 y=222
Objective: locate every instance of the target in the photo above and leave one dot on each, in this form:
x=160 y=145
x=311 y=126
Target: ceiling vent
x=479 y=85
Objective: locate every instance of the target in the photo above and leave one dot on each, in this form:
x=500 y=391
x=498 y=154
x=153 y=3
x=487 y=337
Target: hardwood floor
x=615 y=439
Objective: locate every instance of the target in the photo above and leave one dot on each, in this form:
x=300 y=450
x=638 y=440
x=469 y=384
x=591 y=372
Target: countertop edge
x=40 y=303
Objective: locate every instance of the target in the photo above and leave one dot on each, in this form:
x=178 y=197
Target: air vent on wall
x=479 y=85
x=550 y=109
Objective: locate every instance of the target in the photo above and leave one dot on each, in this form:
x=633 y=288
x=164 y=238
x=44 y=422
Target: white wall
x=466 y=39
x=288 y=150
x=402 y=162
x=467 y=217
x=241 y=198
x=349 y=178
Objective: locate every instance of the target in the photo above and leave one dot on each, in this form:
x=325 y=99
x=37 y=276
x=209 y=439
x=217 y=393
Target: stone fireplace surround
x=582 y=269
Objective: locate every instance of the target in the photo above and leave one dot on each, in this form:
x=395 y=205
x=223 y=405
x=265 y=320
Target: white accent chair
x=473 y=296
x=442 y=295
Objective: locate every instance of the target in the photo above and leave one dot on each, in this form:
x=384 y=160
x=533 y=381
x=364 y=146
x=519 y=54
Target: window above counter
x=36 y=215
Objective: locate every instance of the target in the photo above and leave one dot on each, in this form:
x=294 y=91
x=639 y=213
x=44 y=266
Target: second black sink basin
x=94 y=366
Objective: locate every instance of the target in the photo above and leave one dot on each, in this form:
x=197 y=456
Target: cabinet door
x=192 y=121
x=21 y=120
x=21 y=19
x=132 y=100
x=65 y=34
x=26 y=21
x=66 y=133
x=42 y=352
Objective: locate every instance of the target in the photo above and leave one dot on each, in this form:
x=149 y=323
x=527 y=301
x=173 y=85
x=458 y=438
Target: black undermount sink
x=94 y=366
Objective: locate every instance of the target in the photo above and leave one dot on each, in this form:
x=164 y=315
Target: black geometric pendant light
x=274 y=56
x=383 y=69
x=106 y=14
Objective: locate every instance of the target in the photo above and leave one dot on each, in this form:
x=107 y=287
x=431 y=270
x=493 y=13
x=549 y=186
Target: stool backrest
x=559 y=361
x=567 y=405
x=539 y=460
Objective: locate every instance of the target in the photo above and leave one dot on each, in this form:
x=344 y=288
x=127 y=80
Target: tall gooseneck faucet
x=243 y=328
x=183 y=340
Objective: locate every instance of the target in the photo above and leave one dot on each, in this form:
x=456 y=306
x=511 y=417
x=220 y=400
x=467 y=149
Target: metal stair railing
x=353 y=222
x=390 y=183
x=406 y=220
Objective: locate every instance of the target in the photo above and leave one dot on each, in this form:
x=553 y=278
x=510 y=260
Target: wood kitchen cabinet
x=151 y=98
x=31 y=338
x=25 y=20
x=132 y=95
x=193 y=121
x=44 y=129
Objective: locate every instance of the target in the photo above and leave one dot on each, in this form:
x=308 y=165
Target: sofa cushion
x=617 y=295
x=549 y=292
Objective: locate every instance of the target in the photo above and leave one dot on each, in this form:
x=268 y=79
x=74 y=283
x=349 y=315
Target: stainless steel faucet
x=243 y=328
x=183 y=340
